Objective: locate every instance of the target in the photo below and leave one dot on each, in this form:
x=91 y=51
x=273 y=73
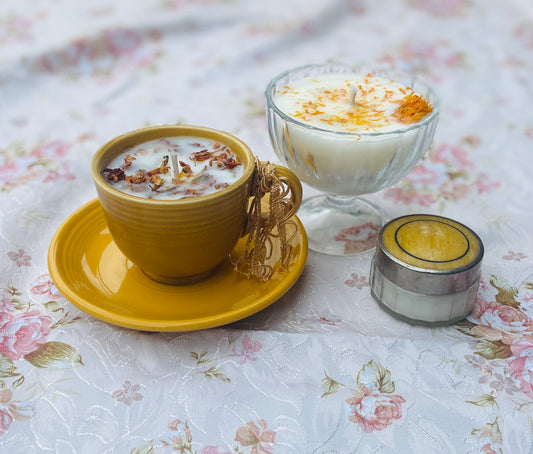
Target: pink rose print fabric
x=11 y=410
x=254 y=438
x=213 y=450
x=358 y=238
x=179 y=436
x=248 y=350
x=521 y=367
x=321 y=368
x=45 y=162
x=357 y=281
x=447 y=175
x=499 y=321
x=20 y=258
x=373 y=410
x=373 y=405
x=44 y=286
x=21 y=334
x=128 y=394
x=502 y=329
x=257 y=436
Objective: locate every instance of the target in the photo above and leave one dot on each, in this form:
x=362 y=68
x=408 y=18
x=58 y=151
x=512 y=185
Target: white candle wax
x=346 y=144
x=416 y=307
x=171 y=168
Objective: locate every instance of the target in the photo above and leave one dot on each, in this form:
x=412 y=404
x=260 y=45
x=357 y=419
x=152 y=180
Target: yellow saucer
x=90 y=271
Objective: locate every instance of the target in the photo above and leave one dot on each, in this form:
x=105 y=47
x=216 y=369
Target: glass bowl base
x=338 y=225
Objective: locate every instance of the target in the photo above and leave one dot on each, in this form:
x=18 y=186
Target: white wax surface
x=358 y=161
x=325 y=101
x=208 y=176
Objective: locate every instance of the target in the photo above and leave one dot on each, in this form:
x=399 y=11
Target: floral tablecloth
x=324 y=369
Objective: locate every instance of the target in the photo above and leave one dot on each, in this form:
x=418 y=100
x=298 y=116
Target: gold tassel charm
x=266 y=225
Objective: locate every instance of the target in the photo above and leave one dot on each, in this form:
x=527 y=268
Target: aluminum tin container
x=426 y=269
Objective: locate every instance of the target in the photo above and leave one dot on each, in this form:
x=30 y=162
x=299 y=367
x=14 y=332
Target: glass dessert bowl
x=348 y=131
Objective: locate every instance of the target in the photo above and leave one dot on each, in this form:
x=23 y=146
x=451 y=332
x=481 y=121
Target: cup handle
x=265 y=176
x=289 y=178
x=285 y=191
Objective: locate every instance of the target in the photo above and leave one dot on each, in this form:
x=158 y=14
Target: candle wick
x=353 y=94
x=175 y=168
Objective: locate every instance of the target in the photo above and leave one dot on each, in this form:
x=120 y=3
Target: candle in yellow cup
x=180 y=240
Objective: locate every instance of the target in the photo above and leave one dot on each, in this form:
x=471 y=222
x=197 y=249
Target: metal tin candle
x=426 y=269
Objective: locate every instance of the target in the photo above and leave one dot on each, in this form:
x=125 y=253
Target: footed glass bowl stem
x=340 y=225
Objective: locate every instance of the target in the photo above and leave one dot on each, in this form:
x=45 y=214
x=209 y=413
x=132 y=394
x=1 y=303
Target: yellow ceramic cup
x=185 y=240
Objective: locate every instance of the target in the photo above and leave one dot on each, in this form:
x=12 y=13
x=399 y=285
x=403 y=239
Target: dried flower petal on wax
x=200 y=156
x=413 y=108
x=157 y=182
x=225 y=160
x=138 y=178
x=115 y=174
x=186 y=168
x=192 y=192
x=163 y=168
x=128 y=159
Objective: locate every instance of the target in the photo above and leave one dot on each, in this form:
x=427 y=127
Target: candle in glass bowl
x=172 y=168
x=348 y=130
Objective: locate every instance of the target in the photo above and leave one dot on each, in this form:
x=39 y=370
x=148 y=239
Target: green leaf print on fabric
x=493 y=349
x=54 y=354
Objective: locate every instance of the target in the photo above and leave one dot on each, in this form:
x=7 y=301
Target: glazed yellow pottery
x=186 y=240
x=88 y=268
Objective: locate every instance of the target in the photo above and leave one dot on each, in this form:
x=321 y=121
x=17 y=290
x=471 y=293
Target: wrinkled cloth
x=323 y=369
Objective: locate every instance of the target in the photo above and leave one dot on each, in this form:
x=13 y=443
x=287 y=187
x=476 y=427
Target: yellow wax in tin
x=431 y=242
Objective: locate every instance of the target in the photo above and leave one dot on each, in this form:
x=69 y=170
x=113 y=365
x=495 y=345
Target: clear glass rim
x=355 y=68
